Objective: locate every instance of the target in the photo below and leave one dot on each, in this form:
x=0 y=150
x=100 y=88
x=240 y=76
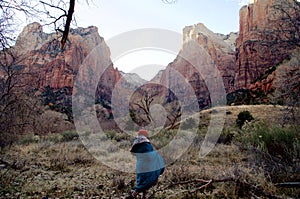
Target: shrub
x=69 y=136
x=163 y=137
x=52 y=122
x=226 y=137
x=28 y=139
x=121 y=136
x=283 y=143
x=110 y=134
x=130 y=125
x=243 y=117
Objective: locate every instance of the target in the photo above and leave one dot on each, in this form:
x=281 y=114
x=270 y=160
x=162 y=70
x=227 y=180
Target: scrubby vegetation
x=252 y=163
x=244 y=116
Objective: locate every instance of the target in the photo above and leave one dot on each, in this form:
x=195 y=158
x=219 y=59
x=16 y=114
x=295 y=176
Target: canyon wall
x=41 y=55
x=241 y=60
x=265 y=39
x=202 y=52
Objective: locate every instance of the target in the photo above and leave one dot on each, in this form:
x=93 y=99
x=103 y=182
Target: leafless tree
x=18 y=106
x=10 y=13
x=288 y=89
x=143 y=101
x=64 y=19
x=174 y=117
x=141 y=105
x=286 y=16
x=58 y=13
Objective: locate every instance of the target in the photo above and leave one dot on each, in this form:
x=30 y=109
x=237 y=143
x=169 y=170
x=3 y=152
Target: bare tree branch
x=68 y=23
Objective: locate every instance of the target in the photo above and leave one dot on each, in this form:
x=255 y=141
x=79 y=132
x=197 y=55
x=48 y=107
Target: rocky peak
x=157 y=77
x=191 y=32
x=214 y=52
x=32 y=37
x=84 y=31
x=217 y=46
x=133 y=78
x=205 y=37
x=199 y=30
x=34 y=27
x=57 y=68
x=89 y=35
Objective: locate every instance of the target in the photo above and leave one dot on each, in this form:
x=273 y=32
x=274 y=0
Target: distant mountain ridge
x=239 y=57
x=133 y=78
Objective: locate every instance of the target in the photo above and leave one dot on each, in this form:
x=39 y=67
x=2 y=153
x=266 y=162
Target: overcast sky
x=113 y=17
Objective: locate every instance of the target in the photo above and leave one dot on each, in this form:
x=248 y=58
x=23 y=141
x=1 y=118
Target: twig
x=253 y=189
x=288 y=184
x=193 y=190
x=207 y=183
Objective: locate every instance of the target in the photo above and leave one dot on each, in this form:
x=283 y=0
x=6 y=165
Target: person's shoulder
x=142 y=147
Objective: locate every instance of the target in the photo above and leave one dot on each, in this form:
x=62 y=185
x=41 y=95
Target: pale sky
x=113 y=17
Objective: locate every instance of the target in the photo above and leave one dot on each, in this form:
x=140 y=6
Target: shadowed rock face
x=260 y=44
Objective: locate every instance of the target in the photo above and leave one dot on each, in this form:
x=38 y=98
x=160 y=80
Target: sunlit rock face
x=215 y=51
x=42 y=55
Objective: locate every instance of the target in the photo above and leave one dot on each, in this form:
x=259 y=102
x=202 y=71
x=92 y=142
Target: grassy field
x=59 y=166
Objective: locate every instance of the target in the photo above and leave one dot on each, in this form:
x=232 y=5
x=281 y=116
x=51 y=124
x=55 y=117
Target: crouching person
x=149 y=164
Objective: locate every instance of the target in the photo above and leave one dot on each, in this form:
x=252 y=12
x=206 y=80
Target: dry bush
x=52 y=122
x=274 y=148
x=224 y=173
x=287 y=91
x=17 y=117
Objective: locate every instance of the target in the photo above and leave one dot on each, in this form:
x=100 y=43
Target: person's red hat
x=143 y=132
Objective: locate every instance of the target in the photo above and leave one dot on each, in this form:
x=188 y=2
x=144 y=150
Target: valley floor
x=49 y=167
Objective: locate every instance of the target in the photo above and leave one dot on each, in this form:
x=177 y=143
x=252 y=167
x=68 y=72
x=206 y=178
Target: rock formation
x=53 y=71
x=214 y=50
x=52 y=66
x=241 y=60
x=262 y=41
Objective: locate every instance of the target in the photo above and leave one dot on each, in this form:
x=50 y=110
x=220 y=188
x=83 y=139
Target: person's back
x=149 y=164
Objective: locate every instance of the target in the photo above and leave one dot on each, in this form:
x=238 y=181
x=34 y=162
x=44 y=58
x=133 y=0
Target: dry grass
x=51 y=167
x=55 y=169
x=266 y=113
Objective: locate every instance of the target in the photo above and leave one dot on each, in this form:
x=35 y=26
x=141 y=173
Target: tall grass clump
x=275 y=148
x=68 y=136
x=283 y=143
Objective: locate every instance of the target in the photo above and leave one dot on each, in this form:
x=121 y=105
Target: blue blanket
x=149 y=165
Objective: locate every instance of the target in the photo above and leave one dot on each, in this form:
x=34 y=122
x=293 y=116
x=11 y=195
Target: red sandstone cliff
x=263 y=40
x=202 y=50
x=54 y=67
x=239 y=63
